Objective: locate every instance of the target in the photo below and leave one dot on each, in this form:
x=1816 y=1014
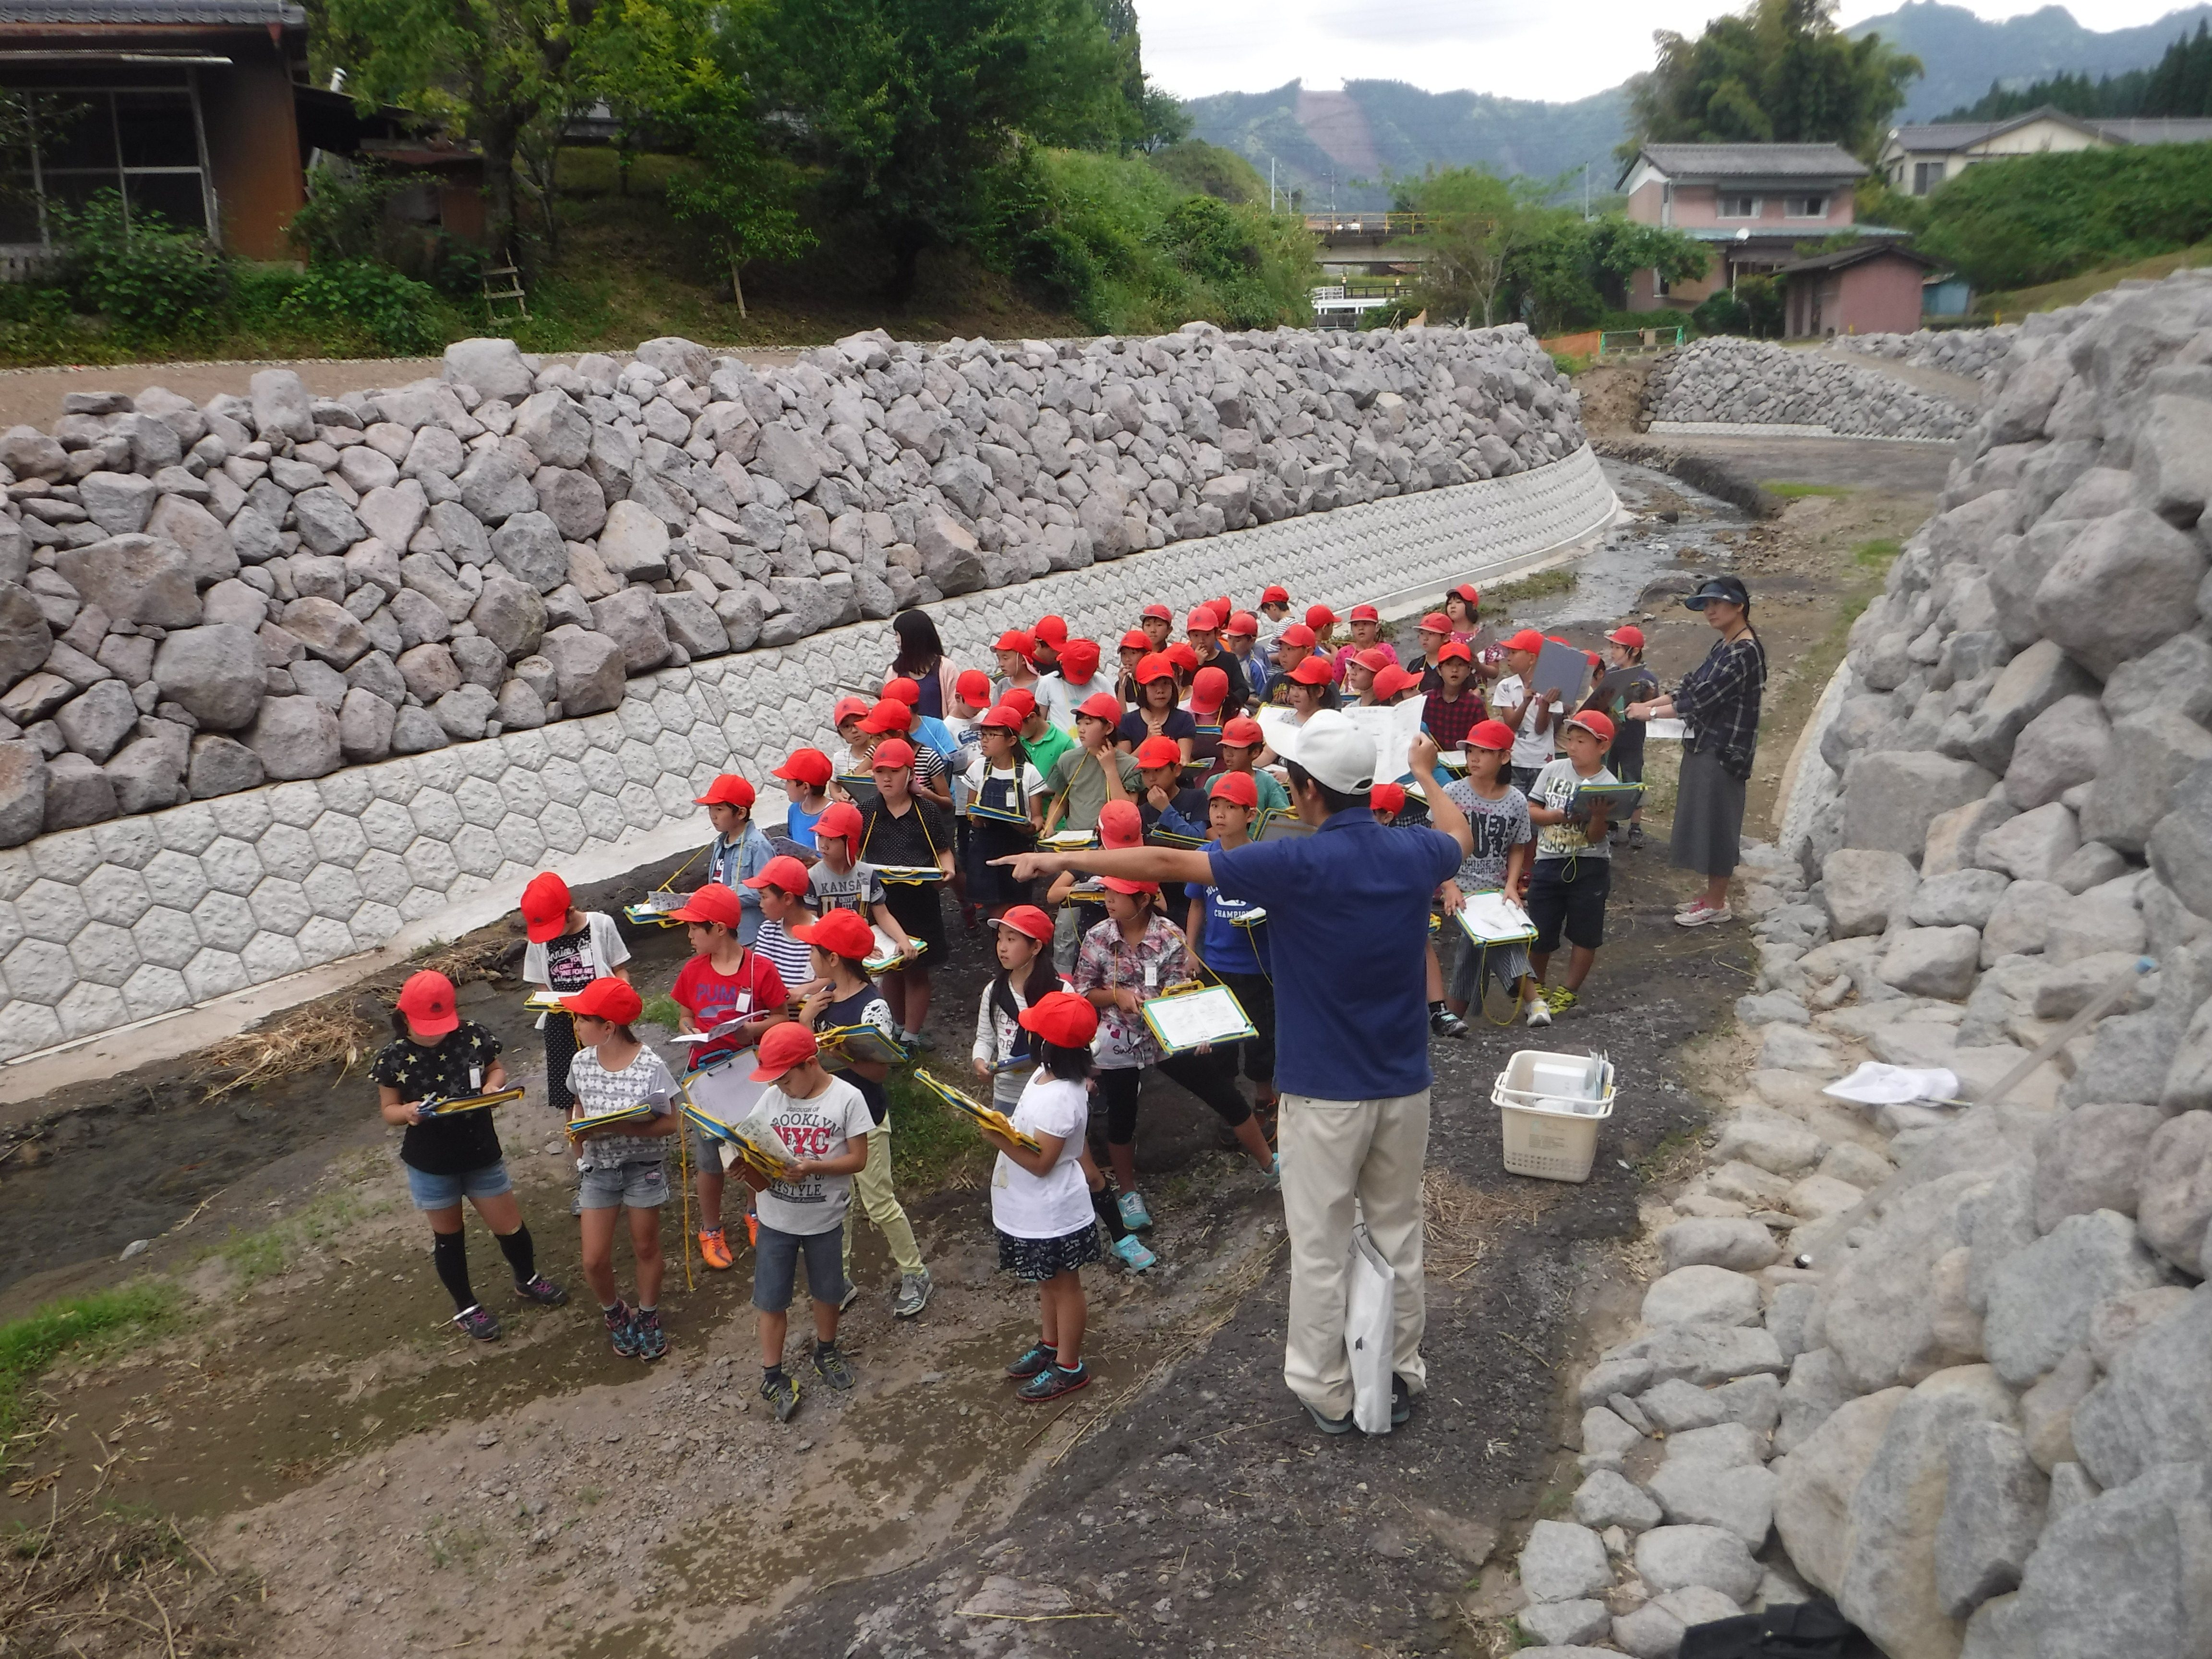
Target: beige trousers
x=1334 y=1153
x=873 y=1187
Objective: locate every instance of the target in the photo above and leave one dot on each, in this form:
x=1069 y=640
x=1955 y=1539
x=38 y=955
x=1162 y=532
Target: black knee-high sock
x=449 y=1255
x=521 y=1255
x=1109 y=1212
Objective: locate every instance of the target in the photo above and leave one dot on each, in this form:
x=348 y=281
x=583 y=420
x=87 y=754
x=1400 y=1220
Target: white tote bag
x=1370 y=1319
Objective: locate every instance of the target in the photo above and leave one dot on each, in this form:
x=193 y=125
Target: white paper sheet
x=1494 y=919
x=1877 y=1085
x=1209 y=1016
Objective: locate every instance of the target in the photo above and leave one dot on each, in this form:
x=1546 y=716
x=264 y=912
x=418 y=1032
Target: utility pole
x=1586 y=195
x=1271 y=184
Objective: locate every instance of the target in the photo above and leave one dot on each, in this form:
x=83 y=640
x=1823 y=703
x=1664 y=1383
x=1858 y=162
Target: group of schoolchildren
x=940 y=776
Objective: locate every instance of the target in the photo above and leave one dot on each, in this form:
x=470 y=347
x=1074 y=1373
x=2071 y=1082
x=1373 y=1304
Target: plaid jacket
x=1719 y=698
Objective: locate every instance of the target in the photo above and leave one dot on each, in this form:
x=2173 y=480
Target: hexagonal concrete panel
x=436 y=815
x=112 y=894
x=225 y=922
x=388 y=826
x=287 y=850
x=166 y=938
x=38 y=971
x=104 y=953
x=232 y=866
x=176 y=879
x=155 y=990
x=339 y=839
x=333 y=892
x=280 y=906
x=49 y=910
x=214 y=974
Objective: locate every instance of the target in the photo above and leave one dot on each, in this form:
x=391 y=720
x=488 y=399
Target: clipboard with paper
x=1183 y=1020
x=840 y=1045
x=1490 y=917
x=453 y=1105
x=989 y=1117
x=642 y=1112
x=1069 y=841
x=910 y=875
x=720 y=1101
x=1393 y=727
x=885 y=955
x=652 y=910
x=543 y=1000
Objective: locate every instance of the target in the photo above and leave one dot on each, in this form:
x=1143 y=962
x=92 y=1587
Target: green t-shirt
x=1045 y=751
x=1077 y=775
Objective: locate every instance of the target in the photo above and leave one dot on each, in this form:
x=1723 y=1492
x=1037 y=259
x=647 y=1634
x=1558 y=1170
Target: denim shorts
x=636 y=1183
x=442 y=1191
x=775 y=1267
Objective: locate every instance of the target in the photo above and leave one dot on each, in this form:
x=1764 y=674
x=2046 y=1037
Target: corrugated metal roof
x=138 y=13
x=1754 y=161
x=1843 y=257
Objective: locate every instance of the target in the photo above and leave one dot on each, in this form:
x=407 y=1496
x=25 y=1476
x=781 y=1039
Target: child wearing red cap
x=783 y=890
x=1527 y=713
x=1229 y=938
x=1167 y=805
x=1626 y=680
x=1274 y=609
x=1240 y=637
x=820 y=1119
x=1453 y=707
x=1498 y=814
x=1157 y=713
x=847 y=719
x=567 y=950
x=739 y=848
x=844 y=997
x=1358 y=672
x=839 y=881
x=725 y=980
x=1573 y=873
x=1242 y=743
x=1366 y=635
x=1050 y=634
x=805 y=775
x=1432 y=633
x=1322 y=621
x=1095 y=771
x=1292 y=646
x=891 y=718
x=1208 y=705
x=436 y=1054
x=1041 y=1200
x=1135 y=954
x=1308 y=689
x=1202 y=632
x=1158 y=625
x=903 y=829
x=1080 y=678
x=1013 y=651
x=1007 y=809
x=1136 y=645
x=625 y=1165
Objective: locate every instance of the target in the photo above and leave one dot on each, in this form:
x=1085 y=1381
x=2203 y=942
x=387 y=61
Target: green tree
x=743 y=204
x=1778 y=72
x=910 y=105
x=1477 y=224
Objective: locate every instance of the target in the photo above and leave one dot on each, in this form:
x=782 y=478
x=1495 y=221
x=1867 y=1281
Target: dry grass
x=321 y=1034
x=465 y=959
x=1460 y=1224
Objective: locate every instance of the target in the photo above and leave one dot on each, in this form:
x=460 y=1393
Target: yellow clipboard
x=454 y=1105
x=1183 y=1020
x=985 y=1116
x=641 y=1113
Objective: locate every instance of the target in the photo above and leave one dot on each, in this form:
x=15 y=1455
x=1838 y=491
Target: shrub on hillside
x=147 y=277
x=2034 y=219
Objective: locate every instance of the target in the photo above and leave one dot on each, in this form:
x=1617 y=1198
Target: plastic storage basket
x=1540 y=1139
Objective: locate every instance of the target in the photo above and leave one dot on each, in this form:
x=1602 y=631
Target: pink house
x=1872 y=288
x=1753 y=203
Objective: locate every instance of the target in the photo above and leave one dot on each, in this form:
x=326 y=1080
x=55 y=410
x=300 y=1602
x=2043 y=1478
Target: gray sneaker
x=831 y=1365
x=913 y=1294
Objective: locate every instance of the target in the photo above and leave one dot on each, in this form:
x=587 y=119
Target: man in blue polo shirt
x=1348 y=916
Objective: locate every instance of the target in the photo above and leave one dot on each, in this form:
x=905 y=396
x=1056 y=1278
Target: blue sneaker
x=1272 y=1175
x=621 y=1332
x=1135 y=1216
x=1135 y=1256
x=645 y=1333
x=1039 y=1357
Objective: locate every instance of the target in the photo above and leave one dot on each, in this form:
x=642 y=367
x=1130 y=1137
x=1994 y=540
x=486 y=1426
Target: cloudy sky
x=1552 y=49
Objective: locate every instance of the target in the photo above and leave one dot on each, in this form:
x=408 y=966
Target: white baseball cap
x=1334 y=752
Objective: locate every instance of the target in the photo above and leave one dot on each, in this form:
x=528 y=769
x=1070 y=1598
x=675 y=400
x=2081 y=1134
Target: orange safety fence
x=1573 y=345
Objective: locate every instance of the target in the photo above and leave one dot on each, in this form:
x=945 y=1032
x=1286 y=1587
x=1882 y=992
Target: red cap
x=426 y=999
x=1079 y=661
x=1220 y=607
x=900 y=689
x=973 y=688
x=1015 y=640
x=783 y=872
x=847 y=709
x=1314 y=670
x=1386 y=798
x=1062 y=1018
x=888 y=715
x=606 y=999
x=1209 y=689
x=1454 y=651
x=711 y=904
x=1391 y=679
x=1629 y=635
x=1298 y=634
x=781 y=1047
x=1275 y=594
x=1244 y=731
x=839 y=819
x=1156 y=612
x=1202 y=619
x=1598 y=725
x=808 y=766
x=1182 y=656
x=1136 y=640
x=1002 y=719
x=1102 y=706
x=1492 y=734
x=838 y=932
x=1154 y=666
x=1374 y=658
x=545 y=908
x=1120 y=824
x=1365 y=613
x=1124 y=884
x=729 y=790
x=1236 y=787
x=1435 y=623
x=1527 y=640
x=1159 y=751
x=1465 y=591
x=1027 y=920
x=1050 y=630
x=1319 y=617
x=895 y=753
x=1021 y=700
x=1241 y=623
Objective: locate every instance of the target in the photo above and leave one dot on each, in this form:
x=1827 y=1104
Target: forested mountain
x=1962 y=53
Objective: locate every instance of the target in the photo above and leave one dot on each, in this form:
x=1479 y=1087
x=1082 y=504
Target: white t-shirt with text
x=820 y=1127
x=1058 y=1202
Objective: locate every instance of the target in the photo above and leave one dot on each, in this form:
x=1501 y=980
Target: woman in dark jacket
x=1718 y=702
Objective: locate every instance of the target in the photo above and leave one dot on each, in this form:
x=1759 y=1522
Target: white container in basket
x=1549 y=1106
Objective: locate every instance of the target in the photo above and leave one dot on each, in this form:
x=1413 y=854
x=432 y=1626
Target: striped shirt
x=794 y=961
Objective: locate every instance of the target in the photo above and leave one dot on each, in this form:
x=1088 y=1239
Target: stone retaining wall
x=1755 y=382
x=141 y=916
x=1973 y=352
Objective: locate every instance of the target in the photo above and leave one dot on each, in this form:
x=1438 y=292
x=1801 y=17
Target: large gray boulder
x=558 y=432
x=2067 y=743
x=2179 y=850
x=1932 y=961
x=214 y=671
x=24 y=637
x=1702 y=1295
x=2091 y=1159
x=589 y=668
x=206 y=543
x=574 y=501
x=2040 y=1300
x=118 y=503
x=281 y=405
x=511 y=615
x=2125 y=585
x=1891 y=796
x=2151 y=751
x=530 y=547
x=1745 y=1246
x=294 y=737
x=22 y=792
x=2178 y=676
x=2147 y=1410
x=330 y=631
x=2173 y=1205
x=78 y=793
x=1993 y=1511
x=365 y=723
x=1675 y=1557
x=634 y=621
x=221 y=766
x=633 y=543
x=2037 y=678
x=1563 y=1562
x=2034 y=846
x=1863 y=888
x=134 y=579
x=1961 y=898
x=2122 y=1573
x=95 y=722
x=1888 y=1318
x=494 y=489
x=494 y=368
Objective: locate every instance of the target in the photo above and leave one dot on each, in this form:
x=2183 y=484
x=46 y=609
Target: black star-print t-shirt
x=456 y=1065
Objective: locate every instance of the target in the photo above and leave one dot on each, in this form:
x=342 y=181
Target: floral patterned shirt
x=1158 y=960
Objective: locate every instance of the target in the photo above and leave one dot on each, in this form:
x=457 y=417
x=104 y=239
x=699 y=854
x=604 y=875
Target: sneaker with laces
x=1037 y=1357
x=1135 y=1216
x=645 y=1330
x=852 y=1294
x=541 y=1290
x=1445 y=1024
x=1327 y=1425
x=913 y=1294
x=1053 y=1381
x=752 y=1230
x=1635 y=837
x=781 y=1393
x=714 y=1249
x=1135 y=1256
x=622 y=1329
x=478 y=1322
x=832 y=1366
x=1402 y=1401
x=1539 y=1012
x=1702 y=915
x=1560 y=997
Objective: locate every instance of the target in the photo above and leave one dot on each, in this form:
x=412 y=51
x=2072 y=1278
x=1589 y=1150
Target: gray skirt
x=1708 y=816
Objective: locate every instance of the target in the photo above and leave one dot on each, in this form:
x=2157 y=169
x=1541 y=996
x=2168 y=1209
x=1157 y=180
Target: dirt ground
x=348 y=1473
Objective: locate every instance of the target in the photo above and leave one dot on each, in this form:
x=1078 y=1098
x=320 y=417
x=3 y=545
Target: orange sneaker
x=752 y=1230
x=714 y=1250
